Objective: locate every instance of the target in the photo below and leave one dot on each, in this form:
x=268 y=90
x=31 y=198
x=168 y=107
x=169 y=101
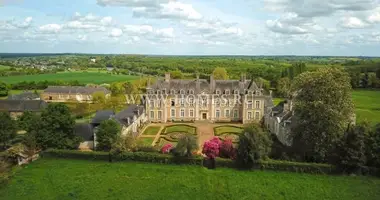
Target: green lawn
x=82 y=77
x=227 y=129
x=367 y=105
x=145 y=141
x=3 y=67
x=11 y=92
x=151 y=130
x=180 y=128
x=78 y=179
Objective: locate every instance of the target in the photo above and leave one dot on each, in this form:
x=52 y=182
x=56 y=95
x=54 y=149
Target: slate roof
x=130 y=112
x=75 y=90
x=22 y=105
x=85 y=131
x=24 y=96
x=102 y=115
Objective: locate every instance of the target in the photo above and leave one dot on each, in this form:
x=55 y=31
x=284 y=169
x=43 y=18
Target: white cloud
x=115 y=32
x=132 y=3
x=353 y=22
x=138 y=29
x=171 y=10
x=106 y=20
x=374 y=17
x=165 y=32
x=50 y=28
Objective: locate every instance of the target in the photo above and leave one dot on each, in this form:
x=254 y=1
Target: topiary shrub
x=211 y=148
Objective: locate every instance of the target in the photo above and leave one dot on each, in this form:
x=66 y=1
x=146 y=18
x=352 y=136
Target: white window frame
x=152 y=114
x=191 y=91
x=236 y=114
x=217 y=91
x=257 y=115
x=172 y=91
x=151 y=103
x=227 y=92
x=172 y=114
x=236 y=91
x=182 y=112
x=225 y=113
x=217 y=113
x=182 y=102
x=257 y=104
x=191 y=113
x=249 y=105
x=182 y=91
x=191 y=102
x=249 y=115
x=159 y=115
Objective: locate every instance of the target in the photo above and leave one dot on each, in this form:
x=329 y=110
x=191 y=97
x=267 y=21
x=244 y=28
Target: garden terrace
x=152 y=130
x=182 y=128
x=171 y=134
x=51 y=178
x=228 y=131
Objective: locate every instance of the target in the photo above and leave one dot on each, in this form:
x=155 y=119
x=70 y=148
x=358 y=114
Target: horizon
x=335 y=28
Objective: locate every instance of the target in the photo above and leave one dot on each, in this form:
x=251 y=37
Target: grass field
x=367 y=105
x=77 y=179
x=227 y=129
x=145 y=141
x=180 y=128
x=3 y=67
x=82 y=77
x=151 y=130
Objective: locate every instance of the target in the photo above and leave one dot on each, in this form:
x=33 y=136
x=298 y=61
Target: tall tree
x=323 y=109
x=107 y=134
x=8 y=130
x=176 y=74
x=4 y=89
x=55 y=128
x=220 y=73
x=283 y=87
x=254 y=144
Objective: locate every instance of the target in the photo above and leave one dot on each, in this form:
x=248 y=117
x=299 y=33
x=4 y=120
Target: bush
x=254 y=144
x=166 y=148
x=107 y=134
x=211 y=148
x=144 y=148
x=227 y=149
x=186 y=145
x=124 y=144
x=312 y=168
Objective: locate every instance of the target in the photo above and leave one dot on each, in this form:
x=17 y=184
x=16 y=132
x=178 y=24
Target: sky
x=192 y=27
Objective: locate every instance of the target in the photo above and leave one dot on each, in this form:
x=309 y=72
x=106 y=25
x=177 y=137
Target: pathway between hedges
x=205 y=132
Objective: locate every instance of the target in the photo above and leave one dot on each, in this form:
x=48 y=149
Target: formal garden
x=225 y=132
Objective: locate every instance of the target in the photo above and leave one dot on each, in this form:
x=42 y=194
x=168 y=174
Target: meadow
x=82 y=77
x=50 y=178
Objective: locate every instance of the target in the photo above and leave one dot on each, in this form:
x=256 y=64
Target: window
x=172 y=113
x=159 y=103
x=152 y=114
x=217 y=91
x=257 y=104
x=227 y=92
x=236 y=114
x=191 y=113
x=182 y=91
x=204 y=102
x=191 y=91
x=249 y=115
x=172 y=102
x=182 y=112
x=227 y=113
x=217 y=102
x=159 y=114
x=257 y=115
x=172 y=92
x=182 y=102
x=217 y=113
x=163 y=91
x=236 y=91
x=151 y=104
x=249 y=104
x=191 y=102
x=249 y=92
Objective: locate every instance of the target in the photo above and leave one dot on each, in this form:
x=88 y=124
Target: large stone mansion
x=205 y=100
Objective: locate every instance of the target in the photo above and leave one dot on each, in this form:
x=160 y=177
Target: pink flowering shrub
x=166 y=148
x=227 y=150
x=211 y=148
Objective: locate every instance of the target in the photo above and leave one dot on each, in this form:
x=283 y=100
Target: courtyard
x=169 y=133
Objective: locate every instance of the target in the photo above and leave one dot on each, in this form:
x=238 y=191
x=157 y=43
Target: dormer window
x=172 y=92
x=182 y=91
x=236 y=91
x=227 y=92
x=250 y=92
x=191 y=91
x=163 y=91
x=217 y=91
x=158 y=92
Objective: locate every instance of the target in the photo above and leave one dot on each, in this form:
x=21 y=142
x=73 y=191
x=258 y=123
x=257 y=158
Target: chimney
x=167 y=77
x=212 y=83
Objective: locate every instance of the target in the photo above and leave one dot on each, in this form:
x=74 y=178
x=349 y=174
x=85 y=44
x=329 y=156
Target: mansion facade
x=210 y=100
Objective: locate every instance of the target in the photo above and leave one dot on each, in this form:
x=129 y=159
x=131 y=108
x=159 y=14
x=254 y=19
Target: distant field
x=3 y=67
x=49 y=178
x=82 y=77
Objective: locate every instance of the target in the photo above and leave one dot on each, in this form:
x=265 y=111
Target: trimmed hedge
x=153 y=157
x=163 y=132
x=221 y=133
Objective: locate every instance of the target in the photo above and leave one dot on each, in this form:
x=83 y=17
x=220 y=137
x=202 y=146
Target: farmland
x=81 y=77
x=50 y=178
x=367 y=105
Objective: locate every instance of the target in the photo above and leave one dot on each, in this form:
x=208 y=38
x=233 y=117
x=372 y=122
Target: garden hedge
x=154 y=157
x=163 y=132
